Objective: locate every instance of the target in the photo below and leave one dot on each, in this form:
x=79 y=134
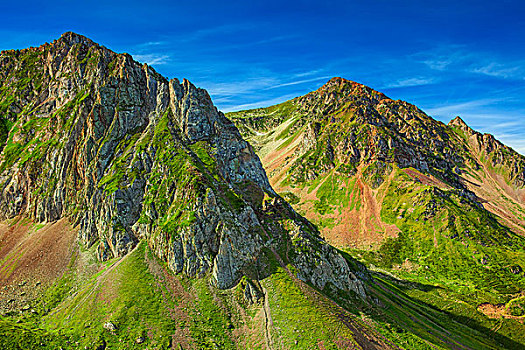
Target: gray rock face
x=129 y=155
x=321 y=264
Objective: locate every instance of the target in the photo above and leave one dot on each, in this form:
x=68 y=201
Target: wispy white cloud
x=442 y=57
x=297 y=82
x=214 y=31
x=458 y=108
x=460 y=58
x=499 y=70
x=152 y=58
x=506 y=125
x=274 y=39
x=236 y=88
x=308 y=73
x=149 y=44
x=264 y=103
x=439 y=63
x=417 y=81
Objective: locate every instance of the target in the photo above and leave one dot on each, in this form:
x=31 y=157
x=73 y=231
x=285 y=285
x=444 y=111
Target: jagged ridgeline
x=152 y=179
x=439 y=202
x=126 y=155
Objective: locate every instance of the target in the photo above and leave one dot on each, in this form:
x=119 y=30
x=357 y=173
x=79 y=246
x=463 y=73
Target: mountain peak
x=66 y=41
x=460 y=123
x=338 y=84
x=339 y=80
x=457 y=121
x=71 y=34
x=72 y=38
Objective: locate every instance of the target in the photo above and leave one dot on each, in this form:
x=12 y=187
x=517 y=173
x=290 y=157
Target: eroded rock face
x=128 y=155
x=497 y=153
x=321 y=265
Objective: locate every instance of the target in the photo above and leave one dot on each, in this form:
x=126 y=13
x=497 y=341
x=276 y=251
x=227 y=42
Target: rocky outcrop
x=496 y=153
x=128 y=155
x=318 y=263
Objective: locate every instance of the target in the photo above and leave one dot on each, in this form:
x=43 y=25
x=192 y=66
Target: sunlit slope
x=372 y=172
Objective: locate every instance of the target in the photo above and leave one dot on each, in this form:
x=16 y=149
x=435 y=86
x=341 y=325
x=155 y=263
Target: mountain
x=98 y=142
x=344 y=152
x=135 y=215
x=429 y=202
x=127 y=155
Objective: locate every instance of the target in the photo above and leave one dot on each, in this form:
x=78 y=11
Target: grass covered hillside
x=134 y=215
x=137 y=302
x=426 y=202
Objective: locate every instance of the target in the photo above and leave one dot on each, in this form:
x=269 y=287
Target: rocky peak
x=495 y=152
x=354 y=124
x=338 y=91
x=341 y=84
x=337 y=83
x=460 y=123
x=383 y=128
x=71 y=38
x=125 y=154
x=481 y=142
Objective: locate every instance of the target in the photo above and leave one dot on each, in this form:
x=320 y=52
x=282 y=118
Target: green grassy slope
x=144 y=300
x=435 y=205
x=150 y=307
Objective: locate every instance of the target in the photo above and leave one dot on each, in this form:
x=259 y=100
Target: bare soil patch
x=32 y=257
x=497 y=311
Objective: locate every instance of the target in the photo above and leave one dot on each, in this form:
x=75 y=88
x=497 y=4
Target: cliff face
x=127 y=155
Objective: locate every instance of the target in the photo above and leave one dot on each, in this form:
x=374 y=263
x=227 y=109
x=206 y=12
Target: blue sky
x=449 y=58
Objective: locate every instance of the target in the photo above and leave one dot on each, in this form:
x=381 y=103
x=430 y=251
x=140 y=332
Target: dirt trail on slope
x=268 y=322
